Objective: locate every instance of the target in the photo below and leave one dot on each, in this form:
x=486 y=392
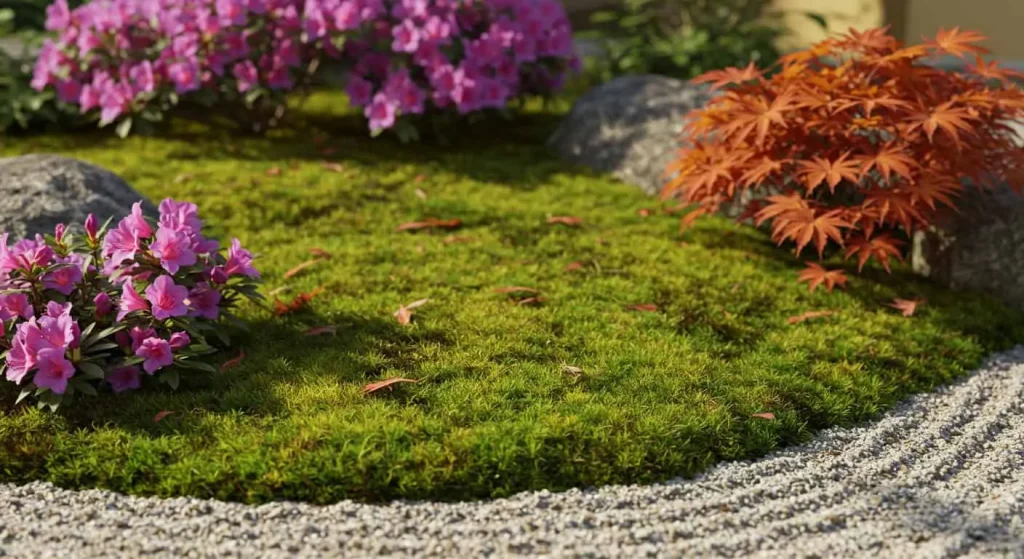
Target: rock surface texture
x=629 y=127
x=39 y=191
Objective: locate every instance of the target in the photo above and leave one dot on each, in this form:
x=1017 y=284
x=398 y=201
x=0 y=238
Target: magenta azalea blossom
x=204 y=301
x=157 y=354
x=138 y=335
x=65 y=278
x=54 y=370
x=15 y=305
x=103 y=304
x=124 y=378
x=173 y=248
x=240 y=261
x=130 y=302
x=180 y=340
x=167 y=298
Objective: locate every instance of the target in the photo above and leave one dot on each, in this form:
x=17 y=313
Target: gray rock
x=629 y=127
x=979 y=248
x=38 y=191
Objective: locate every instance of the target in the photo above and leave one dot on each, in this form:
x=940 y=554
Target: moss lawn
x=575 y=390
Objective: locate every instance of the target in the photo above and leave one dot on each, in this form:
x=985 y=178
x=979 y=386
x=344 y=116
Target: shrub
x=75 y=315
x=852 y=142
x=685 y=38
x=132 y=61
x=140 y=58
x=424 y=57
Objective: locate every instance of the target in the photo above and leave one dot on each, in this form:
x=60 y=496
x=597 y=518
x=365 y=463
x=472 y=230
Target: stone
x=629 y=127
x=38 y=191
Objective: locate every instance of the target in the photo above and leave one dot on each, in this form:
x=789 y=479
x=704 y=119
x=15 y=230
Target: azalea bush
x=854 y=143
x=133 y=61
x=428 y=57
x=121 y=305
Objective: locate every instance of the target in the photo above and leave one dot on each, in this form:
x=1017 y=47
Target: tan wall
x=999 y=20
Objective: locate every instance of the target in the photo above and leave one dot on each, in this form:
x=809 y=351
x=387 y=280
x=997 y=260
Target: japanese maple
x=853 y=143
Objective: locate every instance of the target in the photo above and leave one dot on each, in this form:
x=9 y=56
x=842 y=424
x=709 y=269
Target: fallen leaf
x=575 y=371
x=764 y=415
x=160 y=415
x=320 y=253
x=294 y=271
x=231 y=363
x=182 y=178
x=452 y=239
x=300 y=301
x=906 y=306
x=601 y=241
x=569 y=220
x=417 y=304
x=419 y=178
x=274 y=171
x=375 y=386
x=421 y=194
x=404 y=315
x=648 y=307
x=334 y=167
x=515 y=289
x=430 y=224
x=278 y=290
x=531 y=301
x=735 y=287
x=321 y=330
x=644 y=212
x=572 y=266
x=807 y=316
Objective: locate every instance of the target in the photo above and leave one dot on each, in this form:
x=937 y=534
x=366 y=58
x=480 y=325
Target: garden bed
x=645 y=359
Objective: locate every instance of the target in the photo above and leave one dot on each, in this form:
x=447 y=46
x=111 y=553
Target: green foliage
x=685 y=38
x=30 y=15
x=496 y=410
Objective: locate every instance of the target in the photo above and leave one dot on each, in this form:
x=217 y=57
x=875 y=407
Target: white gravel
x=941 y=476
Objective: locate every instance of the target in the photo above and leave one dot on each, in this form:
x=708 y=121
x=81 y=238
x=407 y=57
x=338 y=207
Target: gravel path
x=941 y=476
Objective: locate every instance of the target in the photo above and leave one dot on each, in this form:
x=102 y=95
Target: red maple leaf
x=726 y=76
x=819 y=169
x=958 y=43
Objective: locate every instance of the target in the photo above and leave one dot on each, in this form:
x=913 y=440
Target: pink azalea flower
x=54 y=370
x=180 y=340
x=14 y=305
x=91 y=228
x=240 y=261
x=136 y=222
x=167 y=298
x=66 y=278
x=204 y=301
x=124 y=378
x=247 y=74
x=157 y=354
x=25 y=254
x=19 y=359
x=130 y=301
x=139 y=335
x=103 y=304
x=173 y=248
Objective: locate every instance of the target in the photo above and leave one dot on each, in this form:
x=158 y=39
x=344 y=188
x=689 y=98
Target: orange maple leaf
x=804 y=226
x=780 y=204
x=881 y=248
x=819 y=170
x=945 y=117
x=906 y=306
x=759 y=114
x=721 y=78
x=891 y=158
x=993 y=70
x=958 y=43
x=815 y=275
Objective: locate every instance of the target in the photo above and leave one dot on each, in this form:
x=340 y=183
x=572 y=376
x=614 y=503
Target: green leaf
x=196 y=365
x=817 y=18
x=86 y=388
x=25 y=392
x=604 y=16
x=91 y=370
x=170 y=376
x=124 y=127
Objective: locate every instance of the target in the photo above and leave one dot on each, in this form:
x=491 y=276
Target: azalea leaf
x=161 y=415
x=233 y=362
x=769 y=416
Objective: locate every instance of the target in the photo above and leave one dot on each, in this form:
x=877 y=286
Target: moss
x=495 y=411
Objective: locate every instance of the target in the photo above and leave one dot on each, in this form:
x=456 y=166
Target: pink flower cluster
x=465 y=55
x=133 y=296
x=402 y=57
x=123 y=56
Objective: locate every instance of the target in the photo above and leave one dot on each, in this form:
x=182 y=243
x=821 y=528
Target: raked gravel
x=940 y=476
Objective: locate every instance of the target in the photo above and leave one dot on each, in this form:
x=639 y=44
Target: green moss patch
x=575 y=390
